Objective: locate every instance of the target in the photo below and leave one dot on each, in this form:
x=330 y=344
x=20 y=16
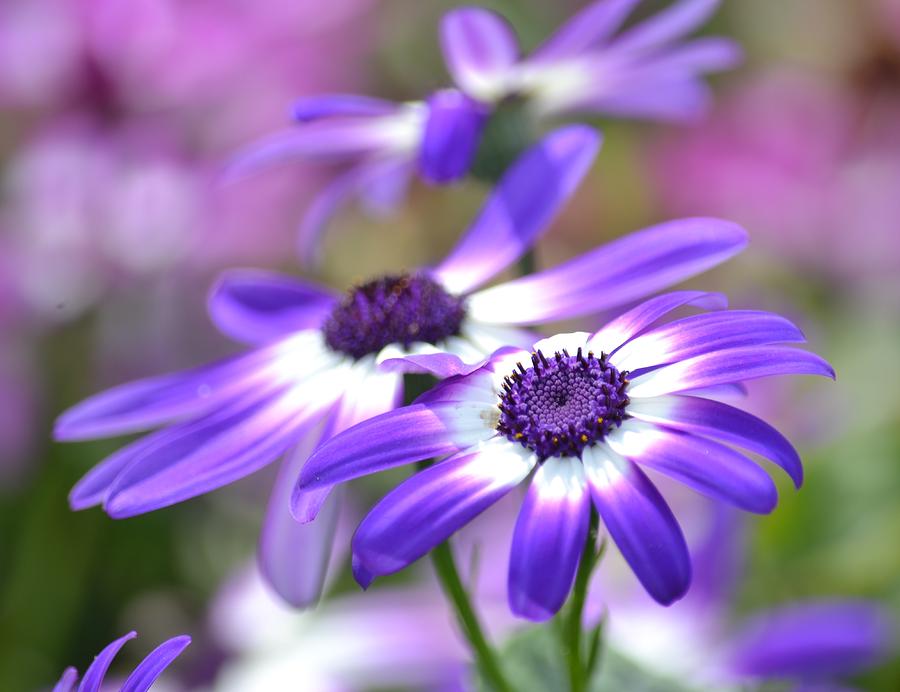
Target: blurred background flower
x=116 y=119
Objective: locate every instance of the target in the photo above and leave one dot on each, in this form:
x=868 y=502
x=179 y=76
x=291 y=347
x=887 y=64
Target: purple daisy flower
x=585 y=412
x=588 y=65
x=583 y=68
x=382 y=144
x=141 y=678
x=322 y=363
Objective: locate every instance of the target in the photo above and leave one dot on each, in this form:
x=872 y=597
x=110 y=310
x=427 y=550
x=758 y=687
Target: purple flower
x=585 y=412
x=322 y=363
x=141 y=678
x=589 y=65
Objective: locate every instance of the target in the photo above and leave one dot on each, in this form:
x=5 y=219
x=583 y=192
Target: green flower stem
x=571 y=625
x=485 y=657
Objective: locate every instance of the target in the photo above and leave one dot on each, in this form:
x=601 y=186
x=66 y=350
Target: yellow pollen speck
x=600 y=420
x=519 y=436
x=556 y=440
x=583 y=437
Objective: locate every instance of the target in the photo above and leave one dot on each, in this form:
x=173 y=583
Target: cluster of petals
x=673 y=424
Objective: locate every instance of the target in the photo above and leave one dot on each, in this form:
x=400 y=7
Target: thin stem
x=485 y=658
x=571 y=633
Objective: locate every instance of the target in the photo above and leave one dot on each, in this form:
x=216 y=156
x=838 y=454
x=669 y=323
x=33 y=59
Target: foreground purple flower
x=589 y=65
x=585 y=412
x=323 y=363
x=141 y=678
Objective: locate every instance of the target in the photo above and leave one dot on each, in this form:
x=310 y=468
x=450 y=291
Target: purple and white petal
x=429 y=507
x=731 y=365
x=452 y=134
x=655 y=97
x=812 y=640
x=195 y=457
x=453 y=356
x=408 y=434
x=613 y=274
x=148 y=670
x=716 y=419
x=640 y=523
x=702 y=464
x=548 y=539
x=698 y=334
x=479 y=48
x=310 y=108
x=629 y=324
x=67 y=681
x=255 y=306
x=521 y=207
x=669 y=25
x=590 y=28
x=158 y=400
x=96 y=672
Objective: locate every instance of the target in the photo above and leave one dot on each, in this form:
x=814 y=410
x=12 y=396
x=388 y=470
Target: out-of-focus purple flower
x=827 y=169
x=588 y=65
x=587 y=413
x=583 y=68
x=319 y=357
x=141 y=678
x=812 y=644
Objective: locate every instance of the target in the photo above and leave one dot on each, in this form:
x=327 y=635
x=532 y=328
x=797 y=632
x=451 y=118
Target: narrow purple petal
x=731 y=365
x=93 y=488
x=548 y=539
x=310 y=108
x=521 y=207
x=408 y=434
x=706 y=466
x=257 y=306
x=429 y=507
x=67 y=681
x=440 y=365
x=631 y=323
x=621 y=271
x=669 y=25
x=452 y=133
x=715 y=419
x=93 y=676
x=698 y=334
x=202 y=455
x=479 y=47
x=812 y=640
x=589 y=28
x=148 y=670
x=650 y=97
x=155 y=401
x=640 y=523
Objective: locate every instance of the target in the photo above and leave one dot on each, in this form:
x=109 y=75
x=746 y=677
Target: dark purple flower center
x=396 y=309
x=562 y=404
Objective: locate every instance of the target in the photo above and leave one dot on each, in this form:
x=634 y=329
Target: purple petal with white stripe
x=148 y=670
x=730 y=365
x=195 y=457
x=640 y=523
x=408 y=434
x=440 y=365
x=452 y=133
x=812 y=640
x=548 y=539
x=96 y=672
x=67 y=681
x=429 y=507
x=613 y=274
x=154 y=401
x=716 y=419
x=479 y=47
x=310 y=108
x=256 y=306
x=521 y=207
x=629 y=324
x=589 y=28
x=702 y=464
x=698 y=334
x=669 y=25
